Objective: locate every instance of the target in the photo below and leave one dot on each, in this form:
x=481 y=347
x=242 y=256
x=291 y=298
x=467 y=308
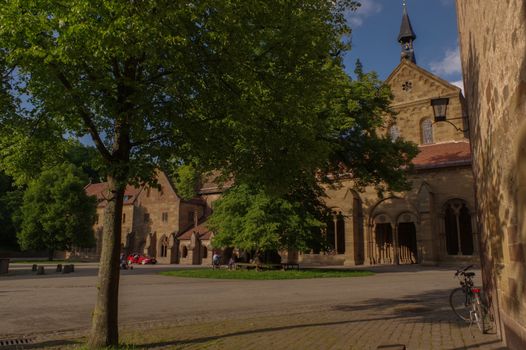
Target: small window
x=123 y=218
x=148 y=192
x=394 y=133
x=427 y=131
x=146 y=217
x=165 y=217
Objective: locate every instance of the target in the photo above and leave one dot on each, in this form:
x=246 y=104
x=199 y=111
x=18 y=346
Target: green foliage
x=10 y=203
x=56 y=212
x=362 y=149
x=238 y=85
x=249 y=218
x=265 y=275
x=186 y=178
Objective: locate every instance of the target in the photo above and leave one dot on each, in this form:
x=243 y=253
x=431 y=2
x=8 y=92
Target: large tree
x=57 y=214
x=251 y=218
x=240 y=86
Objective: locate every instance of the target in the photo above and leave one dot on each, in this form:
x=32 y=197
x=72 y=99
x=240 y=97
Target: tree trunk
x=104 y=331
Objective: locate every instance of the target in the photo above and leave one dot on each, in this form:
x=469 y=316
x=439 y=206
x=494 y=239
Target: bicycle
x=467 y=303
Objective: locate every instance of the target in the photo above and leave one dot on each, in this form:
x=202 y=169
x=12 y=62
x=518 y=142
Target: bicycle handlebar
x=463 y=270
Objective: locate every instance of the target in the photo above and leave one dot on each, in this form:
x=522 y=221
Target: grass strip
x=265 y=275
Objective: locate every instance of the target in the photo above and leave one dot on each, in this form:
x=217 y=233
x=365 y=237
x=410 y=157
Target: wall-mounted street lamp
x=440 y=111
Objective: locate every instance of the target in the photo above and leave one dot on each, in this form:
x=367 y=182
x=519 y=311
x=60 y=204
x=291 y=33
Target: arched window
x=394 y=133
x=164 y=247
x=205 y=253
x=459 y=233
x=427 y=131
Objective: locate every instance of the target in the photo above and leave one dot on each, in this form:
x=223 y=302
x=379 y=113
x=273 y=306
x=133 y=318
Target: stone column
x=350 y=258
x=427 y=249
x=396 y=255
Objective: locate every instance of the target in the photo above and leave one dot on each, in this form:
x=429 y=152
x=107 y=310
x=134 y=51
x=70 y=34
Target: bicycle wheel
x=461 y=304
x=481 y=316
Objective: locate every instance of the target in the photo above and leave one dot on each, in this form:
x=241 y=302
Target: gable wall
x=414 y=105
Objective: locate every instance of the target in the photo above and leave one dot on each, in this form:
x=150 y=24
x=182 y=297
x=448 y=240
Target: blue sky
x=375 y=29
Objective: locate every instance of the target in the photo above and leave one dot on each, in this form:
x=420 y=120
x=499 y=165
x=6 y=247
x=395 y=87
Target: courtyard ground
x=398 y=305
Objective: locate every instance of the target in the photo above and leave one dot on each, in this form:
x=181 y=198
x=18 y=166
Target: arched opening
x=408 y=253
x=205 y=252
x=184 y=252
x=164 y=247
x=384 y=243
x=336 y=234
x=340 y=234
x=458 y=230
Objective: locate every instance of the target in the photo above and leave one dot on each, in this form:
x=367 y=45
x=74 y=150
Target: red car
x=140 y=259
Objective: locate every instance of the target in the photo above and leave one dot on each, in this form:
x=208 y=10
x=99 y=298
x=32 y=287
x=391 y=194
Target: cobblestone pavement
x=402 y=305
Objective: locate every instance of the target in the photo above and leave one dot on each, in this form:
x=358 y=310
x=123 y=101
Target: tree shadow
x=259 y=331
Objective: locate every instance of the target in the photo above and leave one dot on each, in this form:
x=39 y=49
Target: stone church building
x=433 y=223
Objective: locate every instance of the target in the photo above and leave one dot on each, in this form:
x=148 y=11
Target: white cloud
x=368 y=8
x=449 y=65
x=459 y=83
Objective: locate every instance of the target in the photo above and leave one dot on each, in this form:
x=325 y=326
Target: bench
x=245 y=266
x=288 y=266
x=283 y=266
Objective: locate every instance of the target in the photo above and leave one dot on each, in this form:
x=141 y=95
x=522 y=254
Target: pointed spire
x=406 y=37
x=406 y=30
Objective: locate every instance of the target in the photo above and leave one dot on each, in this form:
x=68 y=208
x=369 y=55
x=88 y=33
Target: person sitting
x=215 y=261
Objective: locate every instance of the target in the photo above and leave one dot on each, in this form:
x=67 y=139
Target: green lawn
x=265 y=275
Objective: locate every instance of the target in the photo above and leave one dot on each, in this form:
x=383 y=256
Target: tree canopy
x=249 y=218
x=56 y=213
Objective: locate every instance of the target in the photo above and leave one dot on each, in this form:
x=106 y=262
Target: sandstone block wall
x=493 y=52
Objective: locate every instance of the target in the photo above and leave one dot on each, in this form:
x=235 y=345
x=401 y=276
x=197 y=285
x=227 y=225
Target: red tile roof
x=98 y=190
x=210 y=184
x=201 y=230
x=443 y=155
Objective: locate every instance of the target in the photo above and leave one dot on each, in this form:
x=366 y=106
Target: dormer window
x=427 y=131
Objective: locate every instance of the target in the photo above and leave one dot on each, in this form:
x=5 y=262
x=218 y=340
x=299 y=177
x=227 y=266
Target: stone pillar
x=396 y=247
x=427 y=249
x=350 y=242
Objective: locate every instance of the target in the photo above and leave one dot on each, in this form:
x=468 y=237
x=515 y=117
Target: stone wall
x=493 y=51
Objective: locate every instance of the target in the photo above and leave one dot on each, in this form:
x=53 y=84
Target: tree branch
x=85 y=115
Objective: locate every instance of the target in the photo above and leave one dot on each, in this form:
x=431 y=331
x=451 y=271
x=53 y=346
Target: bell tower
x=406 y=37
